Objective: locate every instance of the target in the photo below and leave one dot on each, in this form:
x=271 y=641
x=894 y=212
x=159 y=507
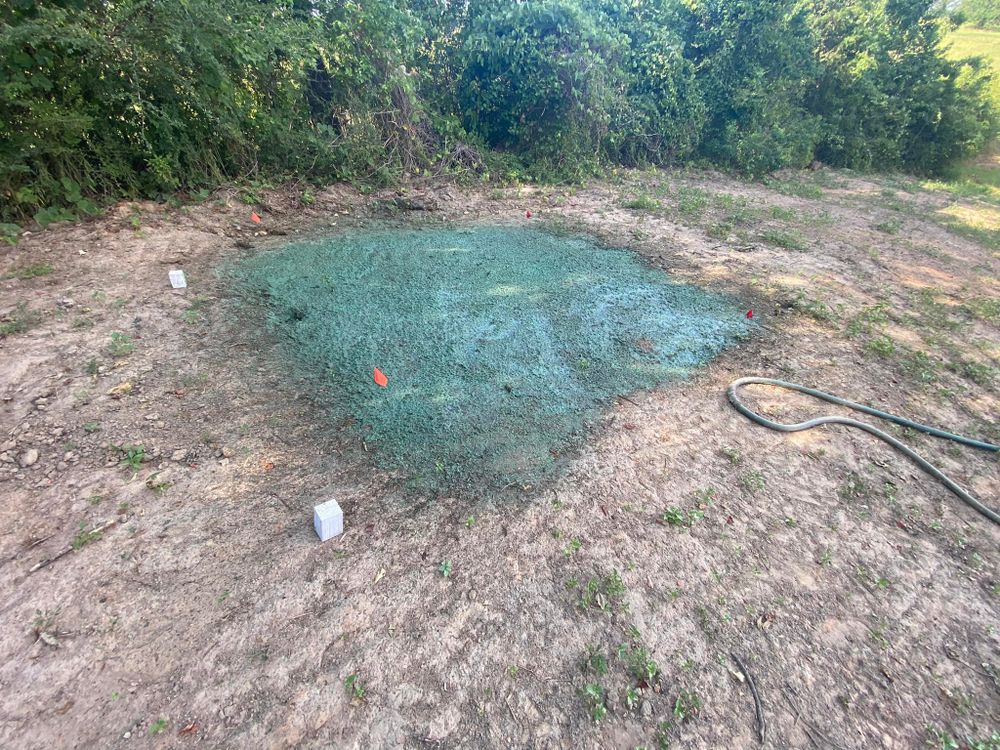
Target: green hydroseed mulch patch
x=499 y=343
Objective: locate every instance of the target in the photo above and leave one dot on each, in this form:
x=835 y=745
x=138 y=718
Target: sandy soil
x=860 y=595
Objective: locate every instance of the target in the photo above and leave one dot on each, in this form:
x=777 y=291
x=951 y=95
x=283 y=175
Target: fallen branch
x=103 y=527
x=758 y=705
x=39 y=541
x=511 y=709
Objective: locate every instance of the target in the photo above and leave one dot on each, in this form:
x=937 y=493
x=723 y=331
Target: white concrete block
x=328 y=520
x=177 y=280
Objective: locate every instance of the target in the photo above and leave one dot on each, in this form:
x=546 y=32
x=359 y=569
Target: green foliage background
x=130 y=98
x=985 y=14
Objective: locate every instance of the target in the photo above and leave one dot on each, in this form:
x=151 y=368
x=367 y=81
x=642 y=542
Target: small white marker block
x=328 y=520
x=177 y=280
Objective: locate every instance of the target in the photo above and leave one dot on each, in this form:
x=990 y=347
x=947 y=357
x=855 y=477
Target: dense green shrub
x=657 y=112
x=102 y=100
x=886 y=95
x=982 y=13
x=754 y=62
x=144 y=98
x=535 y=80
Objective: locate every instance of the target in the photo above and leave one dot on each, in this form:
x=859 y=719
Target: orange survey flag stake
x=380 y=378
x=255 y=218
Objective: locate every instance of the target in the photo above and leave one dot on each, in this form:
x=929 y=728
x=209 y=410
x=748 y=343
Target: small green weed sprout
x=687 y=706
x=131 y=456
x=595 y=660
x=30 y=272
x=603 y=593
x=593 y=694
x=734 y=455
x=642 y=202
x=786 y=240
x=355 y=690
x=120 y=345
x=83 y=537
x=752 y=481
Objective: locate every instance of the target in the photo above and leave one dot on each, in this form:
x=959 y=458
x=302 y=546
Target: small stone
x=126 y=735
x=6 y=458
x=8 y=446
x=227 y=452
x=180 y=454
x=153 y=417
x=62 y=466
x=28 y=458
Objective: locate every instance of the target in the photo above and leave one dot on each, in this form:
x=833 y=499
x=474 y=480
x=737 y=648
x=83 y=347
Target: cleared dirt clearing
x=861 y=596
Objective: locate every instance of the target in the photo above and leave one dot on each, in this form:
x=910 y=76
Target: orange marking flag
x=255 y=218
x=380 y=378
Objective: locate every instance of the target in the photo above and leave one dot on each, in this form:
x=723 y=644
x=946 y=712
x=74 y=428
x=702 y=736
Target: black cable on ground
x=831 y=419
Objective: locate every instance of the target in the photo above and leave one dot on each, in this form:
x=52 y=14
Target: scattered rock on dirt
x=28 y=458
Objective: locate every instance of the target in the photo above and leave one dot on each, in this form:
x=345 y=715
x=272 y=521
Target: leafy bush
x=982 y=13
x=886 y=95
x=101 y=101
x=754 y=62
x=657 y=111
x=535 y=80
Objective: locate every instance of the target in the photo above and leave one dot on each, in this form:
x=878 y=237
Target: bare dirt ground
x=860 y=595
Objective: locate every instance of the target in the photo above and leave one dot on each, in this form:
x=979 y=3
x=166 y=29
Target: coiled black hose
x=831 y=419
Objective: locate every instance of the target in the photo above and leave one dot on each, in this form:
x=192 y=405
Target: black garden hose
x=923 y=463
